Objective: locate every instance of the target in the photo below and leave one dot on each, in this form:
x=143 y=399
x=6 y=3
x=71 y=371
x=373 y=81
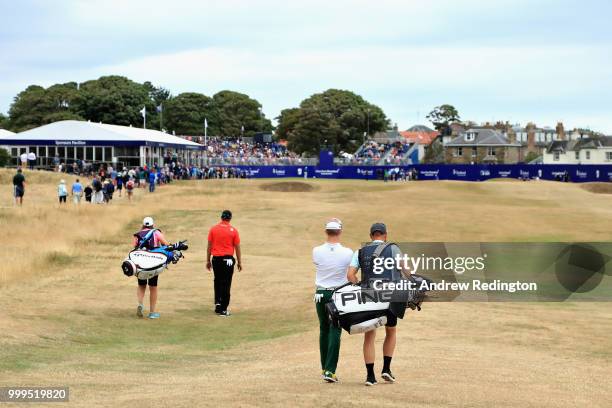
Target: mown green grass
x=118 y=337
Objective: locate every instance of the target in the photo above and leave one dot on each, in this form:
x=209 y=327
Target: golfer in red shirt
x=223 y=240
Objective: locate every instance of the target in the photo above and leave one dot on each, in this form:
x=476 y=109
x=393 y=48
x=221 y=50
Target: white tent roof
x=5 y=133
x=74 y=130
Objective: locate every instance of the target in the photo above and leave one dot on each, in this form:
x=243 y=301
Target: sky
x=542 y=61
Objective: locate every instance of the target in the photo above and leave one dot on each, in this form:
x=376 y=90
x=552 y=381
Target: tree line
x=118 y=100
x=339 y=119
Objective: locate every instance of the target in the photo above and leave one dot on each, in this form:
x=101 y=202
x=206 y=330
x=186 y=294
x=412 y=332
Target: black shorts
x=153 y=283
x=391 y=320
x=19 y=191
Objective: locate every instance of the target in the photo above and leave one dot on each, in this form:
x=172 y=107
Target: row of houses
x=504 y=144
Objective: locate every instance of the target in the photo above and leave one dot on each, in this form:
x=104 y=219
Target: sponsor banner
x=460 y=172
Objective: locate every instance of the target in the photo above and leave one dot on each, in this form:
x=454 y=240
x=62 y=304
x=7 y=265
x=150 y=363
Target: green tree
x=4 y=157
x=434 y=153
x=442 y=117
x=3 y=121
x=113 y=99
x=186 y=112
x=287 y=120
x=234 y=110
x=33 y=106
x=531 y=156
x=336 y=118
x=158 y=96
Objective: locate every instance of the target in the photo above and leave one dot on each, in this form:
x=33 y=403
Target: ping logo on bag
x=362 y=297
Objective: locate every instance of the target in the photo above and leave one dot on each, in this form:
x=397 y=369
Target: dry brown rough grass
x=74 y=323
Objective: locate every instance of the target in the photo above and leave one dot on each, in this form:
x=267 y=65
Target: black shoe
x=371 y=380
x=387 y=376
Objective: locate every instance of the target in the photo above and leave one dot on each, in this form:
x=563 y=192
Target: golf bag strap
x=380 y=248
x=143 y=240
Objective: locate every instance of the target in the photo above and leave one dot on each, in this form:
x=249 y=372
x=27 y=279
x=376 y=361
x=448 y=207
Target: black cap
x=226 y=215
x=378 y=227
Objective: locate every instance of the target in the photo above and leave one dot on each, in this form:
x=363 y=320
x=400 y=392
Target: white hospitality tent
x=73 y=140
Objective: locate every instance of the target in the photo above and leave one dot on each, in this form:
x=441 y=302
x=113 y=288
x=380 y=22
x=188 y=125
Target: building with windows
x=592 y=150
x=482 y=146
x=69 y=141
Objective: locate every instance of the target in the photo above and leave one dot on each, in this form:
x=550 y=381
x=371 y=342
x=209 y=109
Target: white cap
x=62 y=181
x=148 y=222
x=333 y=224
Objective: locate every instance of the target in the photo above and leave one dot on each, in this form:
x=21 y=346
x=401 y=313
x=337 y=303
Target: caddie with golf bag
x=151 y=256
x=363 y=308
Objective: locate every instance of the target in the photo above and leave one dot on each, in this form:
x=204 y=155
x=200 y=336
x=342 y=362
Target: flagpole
x=161 y=116
x=205 y=131
x=144 y=115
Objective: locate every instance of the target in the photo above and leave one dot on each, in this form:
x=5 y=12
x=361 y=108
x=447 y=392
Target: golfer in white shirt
x=331 y=261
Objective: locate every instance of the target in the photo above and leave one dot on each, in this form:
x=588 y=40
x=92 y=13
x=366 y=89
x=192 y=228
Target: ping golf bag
x=146 y=264
x=359 y=309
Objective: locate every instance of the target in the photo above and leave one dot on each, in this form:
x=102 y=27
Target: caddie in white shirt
x=331 y=261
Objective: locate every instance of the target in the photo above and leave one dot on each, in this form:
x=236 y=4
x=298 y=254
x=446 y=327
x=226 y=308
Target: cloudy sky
x=516 y=60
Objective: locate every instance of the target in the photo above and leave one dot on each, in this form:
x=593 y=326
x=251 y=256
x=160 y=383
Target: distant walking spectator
x=77 y=192
x=129 y=189
x=109 y=189
x=151 y=181
x=98 y=195
x=19 y=187
x=24 y=160
x=88 y=193
x=141 y=178
x=62 y=192
x=119 y=181
x=32 y=160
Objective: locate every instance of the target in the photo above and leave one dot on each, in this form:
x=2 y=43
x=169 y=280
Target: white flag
x=143 y=112
x=205 y=123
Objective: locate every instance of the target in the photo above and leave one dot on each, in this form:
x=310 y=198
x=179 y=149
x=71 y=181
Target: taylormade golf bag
x=358 y=309
x=146 y=264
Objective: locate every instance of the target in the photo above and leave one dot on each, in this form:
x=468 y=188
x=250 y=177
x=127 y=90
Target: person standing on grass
x=331 y=261
x=149 y=238
x=62 y=192
x=223 y=241
x=88 y=193
x=151 y=181
x=119 y=181
x=32 y=160
x=77 y=191
x=19 y=182
x=129 y=188
x=24 y=160
x=98 y=195
x=364 y=259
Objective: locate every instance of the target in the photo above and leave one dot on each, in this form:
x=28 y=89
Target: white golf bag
x=146 y=264
x=358 y=309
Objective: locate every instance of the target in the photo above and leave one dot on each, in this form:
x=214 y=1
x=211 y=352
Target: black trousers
x=223 y=268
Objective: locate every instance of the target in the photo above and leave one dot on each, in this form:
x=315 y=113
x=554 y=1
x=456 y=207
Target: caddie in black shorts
x=151 y=282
